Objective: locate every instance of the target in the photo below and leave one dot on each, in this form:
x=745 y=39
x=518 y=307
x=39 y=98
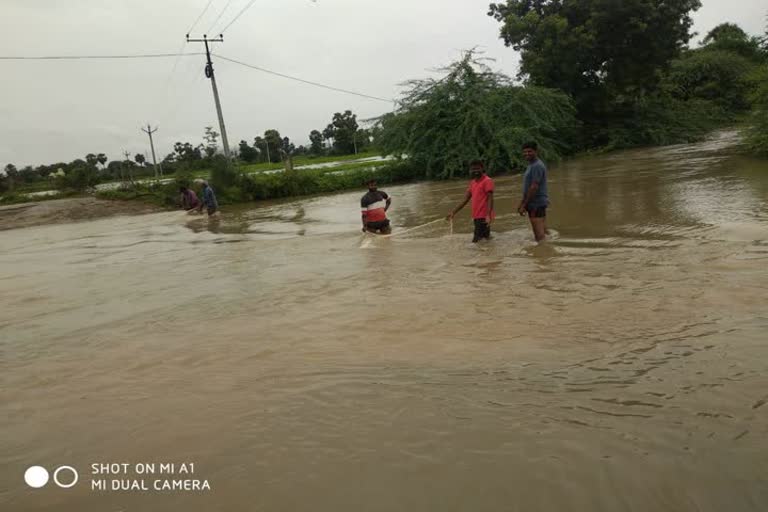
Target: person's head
x=530 y=151
x=183 y=189
x=476 y=169
x=371 y=184
x=205 y=184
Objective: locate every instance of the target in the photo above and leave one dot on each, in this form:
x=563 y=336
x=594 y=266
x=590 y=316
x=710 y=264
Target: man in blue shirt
x=209 y=200
x=535 y=197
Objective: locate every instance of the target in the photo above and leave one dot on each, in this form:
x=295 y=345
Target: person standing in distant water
x=374 y=205
x=189 y=200
x=209 y=200
x=535 y=197
x=480 y=191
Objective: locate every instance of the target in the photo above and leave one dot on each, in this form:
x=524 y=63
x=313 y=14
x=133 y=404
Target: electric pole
x=149 y=131
x=210 y=74
x=127 y=159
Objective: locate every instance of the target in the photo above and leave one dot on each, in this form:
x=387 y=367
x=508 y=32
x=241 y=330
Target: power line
x=226 y=6
x=309 y=82
x=101 y=57
x=199 y=17
x=248 y=6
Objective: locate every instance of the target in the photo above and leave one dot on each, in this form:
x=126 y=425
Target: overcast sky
x=57 y=111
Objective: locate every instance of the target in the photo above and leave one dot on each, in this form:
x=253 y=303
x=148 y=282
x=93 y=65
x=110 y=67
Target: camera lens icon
x=37 y=477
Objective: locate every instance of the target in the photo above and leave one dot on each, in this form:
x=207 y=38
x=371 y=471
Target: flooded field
x=301 y=365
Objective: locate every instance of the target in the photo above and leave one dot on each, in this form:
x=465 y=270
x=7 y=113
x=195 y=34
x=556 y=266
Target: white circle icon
x=36 y=477
x=56 y=477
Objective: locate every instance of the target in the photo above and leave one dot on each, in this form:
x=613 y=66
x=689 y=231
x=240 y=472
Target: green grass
x=37 y=186
x=20 y=197
x=243 y=167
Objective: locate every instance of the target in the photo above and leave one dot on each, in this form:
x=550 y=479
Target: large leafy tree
x=274 y=142
x=248 y=153
x=472 y=113
x=342 y=130
x=12 y=176
x=721 y=70
x=598 y=51
x=316 y=142
x=731 y=38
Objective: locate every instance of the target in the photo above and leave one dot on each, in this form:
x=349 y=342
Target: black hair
x=477 y=163
x=531 y=145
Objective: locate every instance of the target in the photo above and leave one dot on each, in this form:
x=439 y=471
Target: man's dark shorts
x=377 y=226
x=537 y=212
x=482 y=230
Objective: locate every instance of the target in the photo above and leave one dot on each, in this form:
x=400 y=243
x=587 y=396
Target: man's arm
x=456 y=210
x=389 y=203
x=488 y=215
x=528 y=196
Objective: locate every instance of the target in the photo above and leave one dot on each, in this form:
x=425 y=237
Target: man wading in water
x=535 y=197
x=480 y=191
x=374 y=207
x=209 y=200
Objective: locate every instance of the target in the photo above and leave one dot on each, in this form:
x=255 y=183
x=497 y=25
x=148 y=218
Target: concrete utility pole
x=127 y=159
x=210 y=74
x=149 y=131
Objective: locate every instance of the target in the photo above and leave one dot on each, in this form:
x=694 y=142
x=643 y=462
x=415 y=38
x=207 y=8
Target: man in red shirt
x=374 y=207
x=480 y=191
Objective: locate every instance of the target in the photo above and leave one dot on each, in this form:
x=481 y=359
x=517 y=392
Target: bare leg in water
x=539 y=225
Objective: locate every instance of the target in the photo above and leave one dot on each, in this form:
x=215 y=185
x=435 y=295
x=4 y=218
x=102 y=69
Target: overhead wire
x=248 y=6
x=98 y=57
x=200 y=17
x=216 y=21
x=308 y=82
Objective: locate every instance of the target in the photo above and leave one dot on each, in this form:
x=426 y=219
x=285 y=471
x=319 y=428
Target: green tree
x=211 y=138
x=342 y=130
x=316 y=142
x=719 y=76
x=79 y=178
x=757 y=130
x=475 y=113
x=731 y=38
x=140 y=159
x=273 y=142
x=261 y=145
x=247 y=153
x=12 y=176
x=604 y=53
x=188 y=153
x=102 y=159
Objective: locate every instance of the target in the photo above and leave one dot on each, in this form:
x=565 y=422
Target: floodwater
x=303 y=366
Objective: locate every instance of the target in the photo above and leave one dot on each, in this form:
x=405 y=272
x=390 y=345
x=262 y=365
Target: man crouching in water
x=188 y=199
x=374 y=207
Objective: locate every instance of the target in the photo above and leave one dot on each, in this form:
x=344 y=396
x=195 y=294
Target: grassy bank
x=241 y=186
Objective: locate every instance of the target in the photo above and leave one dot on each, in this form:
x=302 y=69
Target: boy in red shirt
x=480 y=191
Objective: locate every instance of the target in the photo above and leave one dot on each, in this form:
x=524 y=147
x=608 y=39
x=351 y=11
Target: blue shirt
x=209 y=198
x=536 y=173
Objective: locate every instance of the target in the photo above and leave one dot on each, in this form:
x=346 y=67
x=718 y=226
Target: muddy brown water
x=300 y=365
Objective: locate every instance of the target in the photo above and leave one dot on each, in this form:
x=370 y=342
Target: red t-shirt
x=479 y=190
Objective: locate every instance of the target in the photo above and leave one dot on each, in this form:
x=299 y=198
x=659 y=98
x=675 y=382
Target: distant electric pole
x=210 y=74
x=149 y=131
x=127 y=159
